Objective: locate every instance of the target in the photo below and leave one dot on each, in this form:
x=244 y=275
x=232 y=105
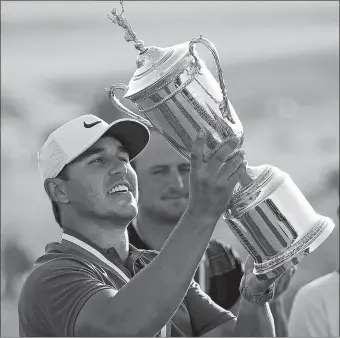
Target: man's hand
x=256 y=286
x=212 y=183
x=252 y=283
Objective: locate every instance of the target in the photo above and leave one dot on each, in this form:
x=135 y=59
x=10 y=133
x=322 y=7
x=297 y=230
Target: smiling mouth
x=120 y=188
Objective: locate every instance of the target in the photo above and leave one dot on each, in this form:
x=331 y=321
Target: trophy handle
x=115 y=101
x=224 y=104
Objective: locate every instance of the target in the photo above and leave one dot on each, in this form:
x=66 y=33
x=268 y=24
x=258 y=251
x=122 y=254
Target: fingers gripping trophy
x=178 y=96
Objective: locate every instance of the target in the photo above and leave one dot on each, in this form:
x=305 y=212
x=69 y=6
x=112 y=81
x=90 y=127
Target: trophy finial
x=130 y=35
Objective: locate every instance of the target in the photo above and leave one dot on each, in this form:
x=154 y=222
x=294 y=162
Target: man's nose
x=176 y=179
x=118 y=167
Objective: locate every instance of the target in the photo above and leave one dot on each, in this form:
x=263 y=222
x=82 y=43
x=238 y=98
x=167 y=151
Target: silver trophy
x=177 y=95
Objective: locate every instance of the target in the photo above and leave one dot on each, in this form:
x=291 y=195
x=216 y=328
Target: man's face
x=92 y=176
x=163 y=177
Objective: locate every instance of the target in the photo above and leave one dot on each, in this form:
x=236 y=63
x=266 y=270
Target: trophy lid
x=155 y=65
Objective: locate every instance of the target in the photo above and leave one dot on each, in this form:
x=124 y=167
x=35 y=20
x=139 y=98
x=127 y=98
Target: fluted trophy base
x=274 y=221
x=297 y=252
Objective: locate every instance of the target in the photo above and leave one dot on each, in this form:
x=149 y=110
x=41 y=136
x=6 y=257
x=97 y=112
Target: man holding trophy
x=93 y=283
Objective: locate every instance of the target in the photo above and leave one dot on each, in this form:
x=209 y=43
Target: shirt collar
x=109 y=253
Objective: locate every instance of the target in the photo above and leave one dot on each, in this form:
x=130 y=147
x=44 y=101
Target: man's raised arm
x=144 y=305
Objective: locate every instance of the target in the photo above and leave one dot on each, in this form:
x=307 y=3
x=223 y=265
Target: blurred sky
x=43 y=41
x=280 y=62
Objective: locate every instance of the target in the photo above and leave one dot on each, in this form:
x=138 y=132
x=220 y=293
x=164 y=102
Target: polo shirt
x=66 y=276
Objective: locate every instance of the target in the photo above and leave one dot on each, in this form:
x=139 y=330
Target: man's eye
x=158 y=172
x=185 y=169
x=123 y=159
x=98 y=160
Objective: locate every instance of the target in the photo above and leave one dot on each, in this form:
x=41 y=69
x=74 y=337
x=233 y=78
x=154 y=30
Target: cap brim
x=133 y=135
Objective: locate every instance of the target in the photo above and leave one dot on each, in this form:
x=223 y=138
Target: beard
x=122 y=214
x=119 y=213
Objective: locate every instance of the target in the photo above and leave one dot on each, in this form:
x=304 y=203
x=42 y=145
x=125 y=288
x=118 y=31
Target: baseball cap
x=74 y=137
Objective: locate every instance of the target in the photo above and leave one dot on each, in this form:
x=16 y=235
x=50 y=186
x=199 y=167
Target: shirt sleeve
x=225 y=274
x=307 y=319
x=57 y=292
x=205 y=314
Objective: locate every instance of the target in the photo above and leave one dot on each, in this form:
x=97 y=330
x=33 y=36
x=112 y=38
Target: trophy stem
x=250 y=175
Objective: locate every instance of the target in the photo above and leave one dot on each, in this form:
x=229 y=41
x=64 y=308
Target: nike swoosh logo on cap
x=90 y=125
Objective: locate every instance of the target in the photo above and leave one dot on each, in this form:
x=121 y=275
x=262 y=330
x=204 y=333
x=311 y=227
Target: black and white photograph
x=170 y=168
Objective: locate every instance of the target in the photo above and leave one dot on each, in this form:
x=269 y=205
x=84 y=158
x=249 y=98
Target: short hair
x=55 y=207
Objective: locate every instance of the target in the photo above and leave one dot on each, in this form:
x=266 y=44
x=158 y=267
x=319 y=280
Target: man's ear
x=56 y=190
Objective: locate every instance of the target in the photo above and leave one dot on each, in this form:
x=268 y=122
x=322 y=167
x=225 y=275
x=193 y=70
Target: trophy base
x=275 y=222
x=297 y=252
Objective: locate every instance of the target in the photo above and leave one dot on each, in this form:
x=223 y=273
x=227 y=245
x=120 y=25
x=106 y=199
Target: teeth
x=119 y=187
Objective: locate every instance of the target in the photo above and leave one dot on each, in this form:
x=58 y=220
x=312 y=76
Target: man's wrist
x=256 y=297
x=201 y=214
